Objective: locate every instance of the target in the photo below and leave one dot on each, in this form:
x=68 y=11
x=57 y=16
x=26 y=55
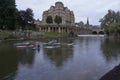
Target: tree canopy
x=111 y=22
x=25 y=18
x=58 y=19
x=7 y=14
x=11 y=18
x=49 y=20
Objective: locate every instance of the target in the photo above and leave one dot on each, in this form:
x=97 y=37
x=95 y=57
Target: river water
x=88 y=58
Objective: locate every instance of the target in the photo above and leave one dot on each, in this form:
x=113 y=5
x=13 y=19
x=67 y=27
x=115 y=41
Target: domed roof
x=59 y=4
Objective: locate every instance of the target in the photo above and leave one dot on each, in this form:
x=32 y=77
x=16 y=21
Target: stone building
x=59 y=10
x=67 y=16
x=67 y=25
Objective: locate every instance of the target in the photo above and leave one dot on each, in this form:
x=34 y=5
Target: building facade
x=59 y=10
x=67 y=25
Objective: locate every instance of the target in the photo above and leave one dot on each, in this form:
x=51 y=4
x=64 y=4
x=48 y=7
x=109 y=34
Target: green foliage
x=25 y=18
x=111 y=22
x=58 y=19
x=5 y=35
x=54 y=34
x=11 y=18
x=7 y=14
x=49 y=19
x=114 y=28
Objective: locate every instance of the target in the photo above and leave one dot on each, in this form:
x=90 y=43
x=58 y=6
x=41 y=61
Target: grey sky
x=94 y=9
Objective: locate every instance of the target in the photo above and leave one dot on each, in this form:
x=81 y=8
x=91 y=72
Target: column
x=49 y=29
x=39 y=28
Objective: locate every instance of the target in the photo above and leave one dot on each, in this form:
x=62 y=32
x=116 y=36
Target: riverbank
x=55 y=34
x=6 y=35
x=25 y=35
x=114 y=74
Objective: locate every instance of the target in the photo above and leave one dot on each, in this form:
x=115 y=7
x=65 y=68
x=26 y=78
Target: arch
x=53 y=29
x=71 y=34
x=94 y=32
x=101 y=32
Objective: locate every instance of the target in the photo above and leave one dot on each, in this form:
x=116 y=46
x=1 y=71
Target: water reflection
x=8 y=62
x=111 y=49
x=27 y=57
x=85 y=58
x=10 y=58
x=59 y=55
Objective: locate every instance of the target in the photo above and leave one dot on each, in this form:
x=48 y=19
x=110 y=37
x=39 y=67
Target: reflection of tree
x=58 y=55
x=10 y=57
x=8 y=62
x=111 y=48
x=27 y=57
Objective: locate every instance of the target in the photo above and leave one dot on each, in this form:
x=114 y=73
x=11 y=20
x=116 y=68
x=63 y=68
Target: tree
x=21 y=19
x=108 y=19
x=29 y=16
x=58 y=19
x=7 y=14
x=25 y=18
x=49 y=19
x=81 y=23
x=111 y=22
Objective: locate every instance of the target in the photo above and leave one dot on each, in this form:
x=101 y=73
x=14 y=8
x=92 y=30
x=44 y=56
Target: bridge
x=96 y=30
x=88 y=30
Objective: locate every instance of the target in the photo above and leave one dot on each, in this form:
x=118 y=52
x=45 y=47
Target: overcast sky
x=93 y=9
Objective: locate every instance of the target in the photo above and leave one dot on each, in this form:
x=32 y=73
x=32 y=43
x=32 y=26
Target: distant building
x=67 y=25
x=59 y=10
x=67 y=16
x=87 y=24
x=38 y=22
x=81 y=24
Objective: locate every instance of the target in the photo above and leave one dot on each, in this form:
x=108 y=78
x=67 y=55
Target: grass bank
x=55 y=34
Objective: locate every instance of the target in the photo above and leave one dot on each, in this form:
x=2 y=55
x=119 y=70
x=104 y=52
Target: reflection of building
x=59 y=56
x=59 y=10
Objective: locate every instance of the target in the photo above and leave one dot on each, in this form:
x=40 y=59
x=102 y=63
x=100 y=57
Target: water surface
x=89 y=58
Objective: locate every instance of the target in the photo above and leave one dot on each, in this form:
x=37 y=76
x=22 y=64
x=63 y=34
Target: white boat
x=25 y=46
x=70 y=44
x=51 y=46
x=22 y=44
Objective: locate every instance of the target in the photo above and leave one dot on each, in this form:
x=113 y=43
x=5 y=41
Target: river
x=88 y=58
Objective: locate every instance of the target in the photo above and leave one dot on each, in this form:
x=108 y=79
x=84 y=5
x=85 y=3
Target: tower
x=87 y=24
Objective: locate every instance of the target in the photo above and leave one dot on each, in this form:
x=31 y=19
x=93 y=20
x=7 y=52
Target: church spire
x=87 y=22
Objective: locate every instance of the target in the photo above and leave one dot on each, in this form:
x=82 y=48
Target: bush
x=5 y=35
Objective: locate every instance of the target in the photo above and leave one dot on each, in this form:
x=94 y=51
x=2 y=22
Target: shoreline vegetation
x=55 y=34
x=10 y=36
x=6 y=36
